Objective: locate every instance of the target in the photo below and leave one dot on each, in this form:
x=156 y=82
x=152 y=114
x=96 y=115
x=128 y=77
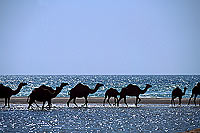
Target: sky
x=101 y=37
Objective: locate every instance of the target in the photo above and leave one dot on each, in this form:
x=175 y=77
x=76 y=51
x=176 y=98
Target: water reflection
x=161 y=118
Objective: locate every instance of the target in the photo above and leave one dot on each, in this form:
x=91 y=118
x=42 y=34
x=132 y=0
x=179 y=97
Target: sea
x=96 y=118
x=162 y=85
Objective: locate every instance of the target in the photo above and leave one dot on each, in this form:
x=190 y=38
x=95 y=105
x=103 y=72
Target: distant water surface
x=162 y=85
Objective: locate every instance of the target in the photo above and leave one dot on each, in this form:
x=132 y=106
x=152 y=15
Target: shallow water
x=96 y=118
x=162 y=85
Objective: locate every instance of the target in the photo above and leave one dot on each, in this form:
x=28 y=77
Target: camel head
x=99 y=85
x=148 y=86
x=198 y=84
x=63 y=84
x=22 y=84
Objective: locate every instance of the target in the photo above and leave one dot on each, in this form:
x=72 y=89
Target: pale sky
x=100 y=37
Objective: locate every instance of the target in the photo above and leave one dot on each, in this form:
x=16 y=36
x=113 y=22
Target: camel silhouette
x=7 y=92
x=195 y=93
x=43 y=94
x=177 y=92
x=111 y=93
x=81 y=90
x=132 y=90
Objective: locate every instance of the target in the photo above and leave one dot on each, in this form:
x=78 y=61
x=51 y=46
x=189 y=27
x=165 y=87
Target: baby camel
x=111 y=93
x=177 y=92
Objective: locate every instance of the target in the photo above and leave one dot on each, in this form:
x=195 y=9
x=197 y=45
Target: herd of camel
x=45 y=93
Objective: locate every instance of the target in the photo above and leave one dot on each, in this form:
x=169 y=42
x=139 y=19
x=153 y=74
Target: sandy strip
x=193 y=131
x=63 y=100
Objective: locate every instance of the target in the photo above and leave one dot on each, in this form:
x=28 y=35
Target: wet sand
x=99 y=100
x=97 y=118
x=153 y=114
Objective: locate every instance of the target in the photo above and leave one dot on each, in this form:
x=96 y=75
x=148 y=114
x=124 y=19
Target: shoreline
x=99 y=100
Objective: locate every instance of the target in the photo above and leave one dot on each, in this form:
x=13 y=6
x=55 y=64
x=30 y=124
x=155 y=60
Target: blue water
x=95 y=118
x=162 y=85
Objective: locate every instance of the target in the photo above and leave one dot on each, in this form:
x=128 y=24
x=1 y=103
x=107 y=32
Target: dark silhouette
x=43 y=94
x=111 y=93
x=195 y=93
x=7 y=92
x=177 y=92
x=81 y=90
x=132 y=90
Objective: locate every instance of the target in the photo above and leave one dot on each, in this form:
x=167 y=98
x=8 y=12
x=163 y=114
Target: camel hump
x=45 y=87
x=79 y=85
x=132 y=86
x=195 y=90
x=176 y=90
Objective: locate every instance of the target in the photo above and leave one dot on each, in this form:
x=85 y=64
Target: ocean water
x=162 y=85
x=95 y=118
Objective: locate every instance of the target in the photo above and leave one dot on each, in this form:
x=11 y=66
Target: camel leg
x=199 y=102
x=125 y=101
x=195 y=96
x=180 y=100
x=190 y=99
x=49 y=104
x=104 y=100
x=36 y=104
x=108 y=100
x=86 y=101
x=136 y=101
x=118 y=101
x=74 y=101
x=5 y=103
x=139 y=99
x=69 y=101
x=8 y=102
x=30 y=103
x=43 y=105
x=172 y=101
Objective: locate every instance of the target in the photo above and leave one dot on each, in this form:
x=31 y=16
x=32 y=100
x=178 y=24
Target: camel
x=7 y=92
x=132 y=90
x=111 y=93
x=177 y=92
x=43 y=94
x=81 y=90
x=195 y=93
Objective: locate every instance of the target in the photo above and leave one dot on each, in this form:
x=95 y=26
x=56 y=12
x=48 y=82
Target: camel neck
x=15 y=92
x=184 y=92
x=58 y=90
x=144 y=91
x=95 y=89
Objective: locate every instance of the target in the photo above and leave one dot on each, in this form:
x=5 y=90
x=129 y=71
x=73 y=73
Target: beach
x=151 y=115
x=99 y=100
